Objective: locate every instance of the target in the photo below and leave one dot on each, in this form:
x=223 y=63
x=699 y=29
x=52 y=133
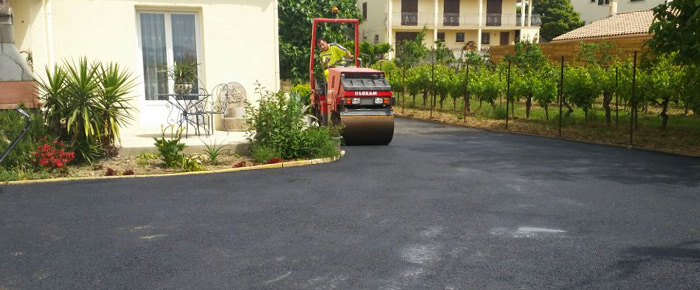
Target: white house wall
x=591 y=11
x=238 y=40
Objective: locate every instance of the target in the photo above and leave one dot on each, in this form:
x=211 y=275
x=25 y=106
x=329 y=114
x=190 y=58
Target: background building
x=458 y=23
x=233 y=40
x=592 y=10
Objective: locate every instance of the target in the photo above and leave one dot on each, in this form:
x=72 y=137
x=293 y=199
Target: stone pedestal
x=235 y=118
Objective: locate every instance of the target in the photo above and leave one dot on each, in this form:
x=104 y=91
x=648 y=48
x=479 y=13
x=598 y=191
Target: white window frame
x=170 y=55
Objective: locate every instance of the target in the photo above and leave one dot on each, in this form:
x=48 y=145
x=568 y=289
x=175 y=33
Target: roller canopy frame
x=356 y=24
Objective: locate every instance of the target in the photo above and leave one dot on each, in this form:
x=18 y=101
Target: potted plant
x=336 y=132
x=184 y=74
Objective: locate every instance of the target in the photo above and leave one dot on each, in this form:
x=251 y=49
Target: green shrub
x=278 y=123
x=262 y=153
x=21 y=157
x=170 y=150
x=494 y=112
x=144 y=158
x=193 y=162
x=322 y=146
x=304 y=90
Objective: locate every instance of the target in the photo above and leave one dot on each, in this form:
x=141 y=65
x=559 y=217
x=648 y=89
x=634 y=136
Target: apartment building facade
x=592 y=10
x=460 y=24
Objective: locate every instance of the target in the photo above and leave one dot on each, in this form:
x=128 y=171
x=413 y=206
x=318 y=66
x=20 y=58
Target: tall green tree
x=558 y=17
x=296 y=21
x=676 y=25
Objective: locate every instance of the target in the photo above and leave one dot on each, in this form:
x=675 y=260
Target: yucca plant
x=85 y=103
x=115 y=86
x=83 y=108
x=213 y=150
x=53 y=98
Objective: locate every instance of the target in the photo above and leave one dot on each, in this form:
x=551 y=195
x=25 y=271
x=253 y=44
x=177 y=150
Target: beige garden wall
x=238 y=40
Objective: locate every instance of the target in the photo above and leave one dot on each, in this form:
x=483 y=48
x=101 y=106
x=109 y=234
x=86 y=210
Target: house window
x=485 y=38
x=441 y=36
x=460 y=37
x=166 y=38
x=376 y=38
x=364 y=10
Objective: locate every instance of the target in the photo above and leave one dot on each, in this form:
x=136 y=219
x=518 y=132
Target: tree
x=529 y=62
x=373 y=52
x=409 y=53
x=675 y=29
x=296 y=18
x=545 y=89
x=558 y=17
x=601 y=59
x=580 y=89
x=663 y=83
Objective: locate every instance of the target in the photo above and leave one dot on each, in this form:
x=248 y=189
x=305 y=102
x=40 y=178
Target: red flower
x=53 y=156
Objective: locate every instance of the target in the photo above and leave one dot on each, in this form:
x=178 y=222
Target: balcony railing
x=467 y=20
x=494 y=19
x=450 y=19
x=409 y=18
x=536 y=20
x=413 y=19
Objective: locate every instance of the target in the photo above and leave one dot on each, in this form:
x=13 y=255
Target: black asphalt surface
x=439 y=208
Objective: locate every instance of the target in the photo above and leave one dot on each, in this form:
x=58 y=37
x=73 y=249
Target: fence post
x=403 y=81
x=508 y=95
x=432 y=84
x=561 y=93
x=617 y=97
x=633 y=102
x=466 y=92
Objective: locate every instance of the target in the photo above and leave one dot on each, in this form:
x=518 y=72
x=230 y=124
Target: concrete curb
x=618 y=145
x=249 y=168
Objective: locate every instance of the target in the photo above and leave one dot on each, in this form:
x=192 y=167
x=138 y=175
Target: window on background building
x=441 y=36
x=460 y=37
x=485 y=38
x=166 y=38
x=376 y=38
x=364 y=10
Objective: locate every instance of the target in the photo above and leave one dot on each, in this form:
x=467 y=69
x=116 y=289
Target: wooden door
x=402 y=36
x=505 y=38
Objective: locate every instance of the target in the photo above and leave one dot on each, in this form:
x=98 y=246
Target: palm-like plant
x=85 y=103
x=53 y=97
x=115 y=86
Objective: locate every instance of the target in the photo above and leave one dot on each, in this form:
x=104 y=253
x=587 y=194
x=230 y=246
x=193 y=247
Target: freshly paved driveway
x=440 y=208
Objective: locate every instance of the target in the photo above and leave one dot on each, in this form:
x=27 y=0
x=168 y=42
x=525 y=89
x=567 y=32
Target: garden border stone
x=285 y=164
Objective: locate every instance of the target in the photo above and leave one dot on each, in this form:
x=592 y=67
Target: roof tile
x=625 y=23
